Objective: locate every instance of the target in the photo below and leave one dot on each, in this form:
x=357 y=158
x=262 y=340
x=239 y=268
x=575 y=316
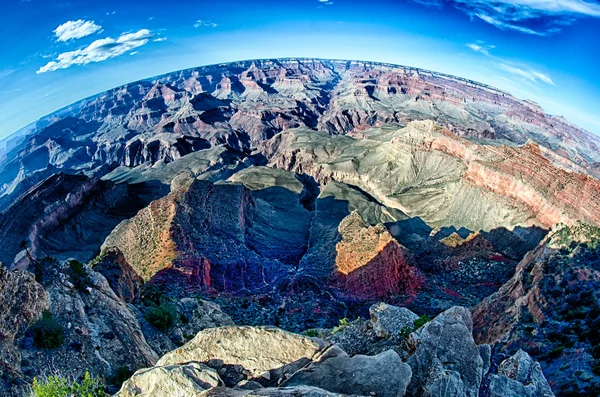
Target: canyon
x=296 y=193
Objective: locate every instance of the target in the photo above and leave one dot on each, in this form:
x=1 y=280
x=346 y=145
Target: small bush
x=162 y=316
x=342 y=324
x=151 y=295
x=57 y=386
x=47 y=333
x=120 y=376
x=406 y=331
x=79 y=275
x=556 y=352
x=311 y=333
x=421 y=321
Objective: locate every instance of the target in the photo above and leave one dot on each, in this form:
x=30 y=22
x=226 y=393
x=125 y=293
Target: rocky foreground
x=67 y=318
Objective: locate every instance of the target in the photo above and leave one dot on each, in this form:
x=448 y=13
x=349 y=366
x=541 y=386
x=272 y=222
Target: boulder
x=384 y=375
x=196 y=315
x=519 y=375
x=170 y=381
x=445 y=360
x=257 y=349
x=388 y=321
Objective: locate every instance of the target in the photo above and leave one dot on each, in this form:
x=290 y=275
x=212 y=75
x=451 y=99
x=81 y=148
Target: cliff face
x=66 y=216
x=370 y=263
x=550 y=307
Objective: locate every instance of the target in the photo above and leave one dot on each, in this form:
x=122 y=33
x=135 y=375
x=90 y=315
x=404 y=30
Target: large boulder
x=445 y=360
x=384 y=375
x=171 y=380
x=257 y=349
x=196 y=315
x=388 y=321
x=519 y=376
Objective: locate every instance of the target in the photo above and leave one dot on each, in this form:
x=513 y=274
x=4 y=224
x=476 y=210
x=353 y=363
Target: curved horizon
x=286 y=59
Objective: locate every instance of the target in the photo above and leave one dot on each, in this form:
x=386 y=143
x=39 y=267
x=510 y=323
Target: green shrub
x=47 y=333
x=342 y=324
x=57 y=386
x=406 y=331
x=311 y=333
x=421 y=321
x=162 y=316
x=556 y=352
x=151 y=295
x=120 y=376
x=79 y=275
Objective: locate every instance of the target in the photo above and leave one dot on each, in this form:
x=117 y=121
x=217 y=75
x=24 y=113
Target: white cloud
x=204 y=24
x=158 y=40
x=99 y=50
x=536 y=17
x=75 y=30
x=507 y=26
x=133 y=53
x=481 y=47
x=530 y=74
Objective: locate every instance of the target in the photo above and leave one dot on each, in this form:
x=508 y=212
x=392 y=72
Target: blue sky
x=57 y=52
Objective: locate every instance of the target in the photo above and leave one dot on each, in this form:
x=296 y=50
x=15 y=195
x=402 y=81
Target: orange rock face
x=370 y=263
x=524 y=174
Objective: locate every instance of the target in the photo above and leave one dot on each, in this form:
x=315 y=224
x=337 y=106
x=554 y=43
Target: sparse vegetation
x=340 y=327
x=79 y=275
x=47 y=333
x=162 y=316
x=312 y=333
x=120 y=375
x=58 y=386
x=424 y=319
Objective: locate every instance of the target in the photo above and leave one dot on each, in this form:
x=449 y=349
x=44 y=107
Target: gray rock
x=485 y=351
x=198 y=315
x=170 y=381
x=248 y=385
x=257 y=349
x=296 y=391
x=519 y=375
x=101 y=332
x=384 y=375
x=388 y=321
x=445 y=360
x=22 y=301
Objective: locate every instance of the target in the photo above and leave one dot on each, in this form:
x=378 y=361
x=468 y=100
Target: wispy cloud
x=158 y=40
x=528 y=74
x=9 y=91
x=72 y=30
x=481 y=47
x=204 y=24
x=6 y=72
x=535 y=17
x=99 y=50
x=326 y=2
